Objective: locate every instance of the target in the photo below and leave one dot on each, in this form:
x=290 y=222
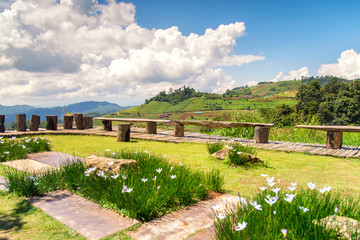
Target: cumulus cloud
x=348 y=66
x=277 y=77
x=51 y=50
x=297 y=74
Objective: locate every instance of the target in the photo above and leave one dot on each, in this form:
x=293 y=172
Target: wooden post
x=51 y=122
x=88 y=122
x=79 y=121
x=151 y=127
x=34 y=122
x=107 y=125
x=123 y=134
x=334 y=140
x=2 y=123
x=21 y=122
x=68 y=121
x=178 y=129
x=261 y=134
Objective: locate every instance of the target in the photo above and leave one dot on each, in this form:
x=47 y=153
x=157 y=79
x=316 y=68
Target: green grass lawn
x=22 y=221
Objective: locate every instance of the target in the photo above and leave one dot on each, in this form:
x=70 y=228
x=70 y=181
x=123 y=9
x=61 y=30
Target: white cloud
x=297 y=74
x=277 y=78
x=348 y=66
x=251 y=83
x=51 y=50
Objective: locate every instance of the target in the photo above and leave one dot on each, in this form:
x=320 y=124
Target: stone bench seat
x=334 y=133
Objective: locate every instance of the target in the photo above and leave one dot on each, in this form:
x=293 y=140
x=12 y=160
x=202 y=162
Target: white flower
x=289 y=197
x=304 y=209
x=146 y=151
x=256 y=205
x=101 y=174
x=328 y=188
x=241 y=226
x=173 y=176
x=270 y=179
x=164 y=155
x=264 y=175
x=293 y=184
x=154 y=178
x=158 y=187
x=275 y=190
x=124 y=176
x=128 y=190
x=336 y=209
x=322 y=190
x=124 y=189
x=107 y=150
x=23 y=146
x=114 y=153
x=271 y=184
x=311 y=185
x=284 y=231
x=171 y=168
x=6 y=152
x=215 y=208
x=115 y=176
x=291 y=188
x=111 y=163
x=239 y=153
x=181 y=164
x=262 y=188
x=274 y=212
x=242 y=200
x=271 y=201
x=144 y=179
x=219 y=216
x=159 y=170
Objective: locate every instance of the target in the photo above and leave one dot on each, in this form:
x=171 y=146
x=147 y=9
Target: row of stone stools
x=81 y=122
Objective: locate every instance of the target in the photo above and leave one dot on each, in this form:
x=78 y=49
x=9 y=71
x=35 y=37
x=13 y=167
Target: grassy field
x=22 y=221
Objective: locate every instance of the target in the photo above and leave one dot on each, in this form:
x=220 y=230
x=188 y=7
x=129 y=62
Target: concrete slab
x=181 y=224
x=87 y=218
x=52 y=158
x=2 y=184
x=28 y=165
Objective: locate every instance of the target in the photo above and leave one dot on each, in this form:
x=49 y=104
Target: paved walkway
x=87 y=218
x=168 y=136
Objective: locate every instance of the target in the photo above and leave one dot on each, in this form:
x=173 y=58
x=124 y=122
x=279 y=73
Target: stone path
x=185 y=222
x=2 y=184
x=87 y=218
x=168 y=136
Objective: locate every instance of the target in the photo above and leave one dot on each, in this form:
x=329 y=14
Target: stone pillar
x=178 y=129
x=334 y=140
x=107 y=125
x=79 y=121
x=21 y=122
x=261 y=134
x=151 y=127
x=68 y=121
x=51 y=122
x=2 y=123
x=88 y=122
x=34 y=122
x=123 y=134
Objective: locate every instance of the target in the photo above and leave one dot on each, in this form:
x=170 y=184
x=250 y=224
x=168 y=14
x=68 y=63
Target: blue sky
x=290 y=34
x=53 y=51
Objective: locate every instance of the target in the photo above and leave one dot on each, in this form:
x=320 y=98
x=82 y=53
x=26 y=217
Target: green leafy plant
x=287 y=213
x=213 y=147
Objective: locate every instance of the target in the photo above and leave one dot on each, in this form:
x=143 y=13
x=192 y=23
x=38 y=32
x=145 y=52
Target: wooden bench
x=150 y=123
x=334 y=133
x=262 y=130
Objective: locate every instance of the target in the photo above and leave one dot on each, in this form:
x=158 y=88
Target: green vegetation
x=13 y=148
x=146 y=191
x=214 y=147
x=287 y=213
x=237 y=153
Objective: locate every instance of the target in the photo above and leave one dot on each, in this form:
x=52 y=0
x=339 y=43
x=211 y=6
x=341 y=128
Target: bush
x=214 y=146
x=236 y=153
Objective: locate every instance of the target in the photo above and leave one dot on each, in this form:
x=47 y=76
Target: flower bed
x=287 y=214
x=18 y=148
x=148 y=190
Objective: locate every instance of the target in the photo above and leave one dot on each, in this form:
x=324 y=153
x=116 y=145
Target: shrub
x=213 y=147
x=236 y=153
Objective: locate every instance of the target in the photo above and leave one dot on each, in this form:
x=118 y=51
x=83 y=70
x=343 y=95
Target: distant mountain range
x=90 y=107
